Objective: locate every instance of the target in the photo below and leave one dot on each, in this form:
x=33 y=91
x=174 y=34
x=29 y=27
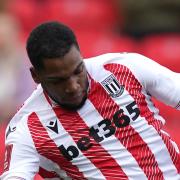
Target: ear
x=34 y=75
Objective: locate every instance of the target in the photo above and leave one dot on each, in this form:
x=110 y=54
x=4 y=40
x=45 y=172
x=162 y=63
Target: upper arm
x=157 y=80
x=21 y=157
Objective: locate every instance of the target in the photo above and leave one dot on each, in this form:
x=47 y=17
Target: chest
x=111 y=108
x=99 y=125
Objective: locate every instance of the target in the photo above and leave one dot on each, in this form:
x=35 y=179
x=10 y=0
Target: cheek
x=83 y=79
x=82 y=82
x=58 y=90
x=54 y=90
x=85 y=84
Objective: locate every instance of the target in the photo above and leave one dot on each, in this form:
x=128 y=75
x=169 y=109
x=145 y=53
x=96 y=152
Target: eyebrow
x=55 y=78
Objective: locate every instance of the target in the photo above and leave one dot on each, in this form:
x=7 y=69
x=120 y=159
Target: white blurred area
x=101 y=26
x=14 y=80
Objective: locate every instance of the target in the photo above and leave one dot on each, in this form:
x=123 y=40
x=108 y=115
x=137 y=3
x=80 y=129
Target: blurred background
x=151 y=28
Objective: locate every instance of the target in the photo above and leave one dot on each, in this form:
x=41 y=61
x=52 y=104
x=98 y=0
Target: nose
x=72 y=85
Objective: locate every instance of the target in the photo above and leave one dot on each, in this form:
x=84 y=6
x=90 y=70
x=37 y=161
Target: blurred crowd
x=151 y=28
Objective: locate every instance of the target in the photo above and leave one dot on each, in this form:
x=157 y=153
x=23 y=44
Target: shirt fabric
x=117 y=134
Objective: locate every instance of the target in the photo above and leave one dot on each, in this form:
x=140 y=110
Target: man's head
x=57 y=64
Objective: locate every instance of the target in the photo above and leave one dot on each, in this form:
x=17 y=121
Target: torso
x=115 y=135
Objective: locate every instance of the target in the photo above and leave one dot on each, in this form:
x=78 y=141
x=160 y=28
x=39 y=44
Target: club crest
x=112 y=86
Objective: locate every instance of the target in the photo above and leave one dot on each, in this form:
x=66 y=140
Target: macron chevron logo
x=53 y=126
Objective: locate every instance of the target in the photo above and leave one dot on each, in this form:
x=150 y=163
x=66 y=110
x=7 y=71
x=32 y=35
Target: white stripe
x=172 y=142
x=49 y=165
x=152 y=108
x=82 y=162
x=148 y=133
x=112 y=145
x=153 y=141
x=112 y=89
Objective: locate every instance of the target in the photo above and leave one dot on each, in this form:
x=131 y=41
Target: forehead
x=63 y=66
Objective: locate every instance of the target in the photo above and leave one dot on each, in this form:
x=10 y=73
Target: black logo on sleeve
x=112 y=86
x=10 y=130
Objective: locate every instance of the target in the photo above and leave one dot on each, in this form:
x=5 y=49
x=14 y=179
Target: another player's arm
x=21 y=158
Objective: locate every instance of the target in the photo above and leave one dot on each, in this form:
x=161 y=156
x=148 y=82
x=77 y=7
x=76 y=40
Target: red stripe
x=8 y=153
x=174 y=155
x=46 y=147
x=133 y=86
x=127 y=135
x=47 y=174
x=76 y=127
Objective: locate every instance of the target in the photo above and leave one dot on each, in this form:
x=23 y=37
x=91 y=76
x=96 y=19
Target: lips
x=75 y=98
x=78 y=96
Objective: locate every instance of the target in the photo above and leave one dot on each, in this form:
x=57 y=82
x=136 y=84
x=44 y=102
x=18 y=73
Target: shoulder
x=132 y=61
x=35 y=103
x=18 y=135
x=119 y=58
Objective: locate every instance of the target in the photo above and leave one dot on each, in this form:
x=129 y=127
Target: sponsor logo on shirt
x=102 y=130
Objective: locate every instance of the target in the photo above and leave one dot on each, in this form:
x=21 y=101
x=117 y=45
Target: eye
x=79 y=69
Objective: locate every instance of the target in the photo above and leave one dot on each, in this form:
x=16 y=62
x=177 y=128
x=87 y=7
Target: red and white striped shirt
x=117 y=134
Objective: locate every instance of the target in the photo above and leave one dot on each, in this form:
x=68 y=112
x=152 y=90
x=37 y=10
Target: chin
x=73 y=107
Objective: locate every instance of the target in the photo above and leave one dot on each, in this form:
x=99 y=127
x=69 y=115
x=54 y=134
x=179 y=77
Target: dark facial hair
x=73 y=107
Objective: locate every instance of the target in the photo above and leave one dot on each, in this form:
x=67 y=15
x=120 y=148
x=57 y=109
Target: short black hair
x=49 y=40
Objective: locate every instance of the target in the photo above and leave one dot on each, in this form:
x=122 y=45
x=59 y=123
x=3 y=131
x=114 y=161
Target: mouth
x=76 y=99
x=74 y=102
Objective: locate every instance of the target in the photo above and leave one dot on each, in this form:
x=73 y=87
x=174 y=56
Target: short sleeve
x=157 y=80
x=21 y=157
